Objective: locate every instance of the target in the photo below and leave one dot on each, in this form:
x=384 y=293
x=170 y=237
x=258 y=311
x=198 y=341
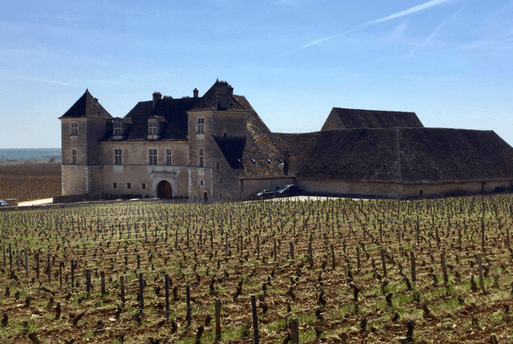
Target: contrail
x=400 y=14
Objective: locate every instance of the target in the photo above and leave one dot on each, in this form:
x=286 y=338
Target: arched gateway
x=164 y=190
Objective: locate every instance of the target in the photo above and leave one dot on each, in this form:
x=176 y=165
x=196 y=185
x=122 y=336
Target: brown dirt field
x=29 y=181
x=188 y=242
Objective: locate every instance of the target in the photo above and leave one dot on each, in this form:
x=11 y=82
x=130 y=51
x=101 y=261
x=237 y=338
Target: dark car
x=264 y=194
x=3 y=203
x=288 y=190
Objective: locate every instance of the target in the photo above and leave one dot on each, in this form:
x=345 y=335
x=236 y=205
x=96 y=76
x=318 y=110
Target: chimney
x=195 y=92
x=156 y=97
x=223 y=91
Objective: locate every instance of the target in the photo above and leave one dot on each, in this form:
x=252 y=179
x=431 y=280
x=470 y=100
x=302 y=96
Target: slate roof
x=212 y=99
x=169 y=111
x=409 y=156
x=356 y=118
x=86 y=106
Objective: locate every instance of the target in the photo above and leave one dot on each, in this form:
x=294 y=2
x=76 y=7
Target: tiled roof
x=296 y=148
x=255 y=156
x=86 y=106
x=355 y=119
x=171 y=112
x=409 y=156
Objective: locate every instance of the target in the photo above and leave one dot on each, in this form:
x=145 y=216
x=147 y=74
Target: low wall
x=402 y=191
x=350 y=189
x=13 y=202
x=73 y=198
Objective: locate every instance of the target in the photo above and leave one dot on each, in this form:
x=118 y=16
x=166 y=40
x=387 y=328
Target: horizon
x=294 y=60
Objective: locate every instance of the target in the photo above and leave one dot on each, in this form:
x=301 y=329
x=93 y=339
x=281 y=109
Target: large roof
x=255 y=156
x=86 y=107
x=409 y=156
x=356 y=118
x=172 y=112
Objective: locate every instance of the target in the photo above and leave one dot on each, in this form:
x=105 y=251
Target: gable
x=342 y=118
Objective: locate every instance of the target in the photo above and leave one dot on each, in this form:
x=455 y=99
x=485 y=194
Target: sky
x=449 y=61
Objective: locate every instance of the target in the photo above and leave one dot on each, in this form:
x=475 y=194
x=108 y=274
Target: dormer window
x=153 y=128
x=201 y=125
x=118 y=128
x=74 y=128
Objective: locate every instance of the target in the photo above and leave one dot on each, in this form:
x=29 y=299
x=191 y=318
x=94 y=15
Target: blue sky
x=450 y=61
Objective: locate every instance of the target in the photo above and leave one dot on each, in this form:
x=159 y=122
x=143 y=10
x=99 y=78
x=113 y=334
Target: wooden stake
x=333 y=263
x=481 y=281
x=412 y=261
x=218 y=320
x=444 y=268
x=122 y=289
x=383 y=262
x=294 y=331
x=141 y=291
x=26 y=262
x=255 y=319
x=102 y=281
x=188 y=315
x=166 y=291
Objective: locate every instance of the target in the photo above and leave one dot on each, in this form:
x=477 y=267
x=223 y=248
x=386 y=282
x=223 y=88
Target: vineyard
x=334 y=271
x=30 y=181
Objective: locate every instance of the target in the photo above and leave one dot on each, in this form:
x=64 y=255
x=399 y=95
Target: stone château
x=217 y=148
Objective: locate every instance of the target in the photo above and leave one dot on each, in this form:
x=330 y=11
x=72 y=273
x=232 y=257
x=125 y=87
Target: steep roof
x=86 y=107
x=410 y=156
x=256 y=155
x=219 y=97
x=172 y=110
x=356 y=118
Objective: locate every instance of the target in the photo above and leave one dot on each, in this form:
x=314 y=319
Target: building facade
x=217 y=148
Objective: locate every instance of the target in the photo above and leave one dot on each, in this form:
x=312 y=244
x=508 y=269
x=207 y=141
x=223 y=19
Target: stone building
x=216 y=148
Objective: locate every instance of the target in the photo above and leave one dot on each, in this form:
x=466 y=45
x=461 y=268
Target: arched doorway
x=205 y=197
x=164 y=190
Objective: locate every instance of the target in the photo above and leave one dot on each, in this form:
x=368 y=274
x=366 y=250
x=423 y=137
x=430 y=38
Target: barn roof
x=86 y=107
x=357 y=118
x=409 y=156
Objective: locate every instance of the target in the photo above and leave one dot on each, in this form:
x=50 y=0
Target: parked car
x=288 y=190
x=264 y=194
x=3 y=203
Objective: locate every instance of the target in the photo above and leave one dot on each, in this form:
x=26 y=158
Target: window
x=128 y=185
x=118 y=128
x=202 y=182
x=153 y=157
x=168 y=156
x=201 y=125
x=118 y=156
x=115 y=185
x=217 y=165
x=143 y=186
x=74 y=156
x=74 y=128
x=152 y=127
x=201 y=162
x=220 y=195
